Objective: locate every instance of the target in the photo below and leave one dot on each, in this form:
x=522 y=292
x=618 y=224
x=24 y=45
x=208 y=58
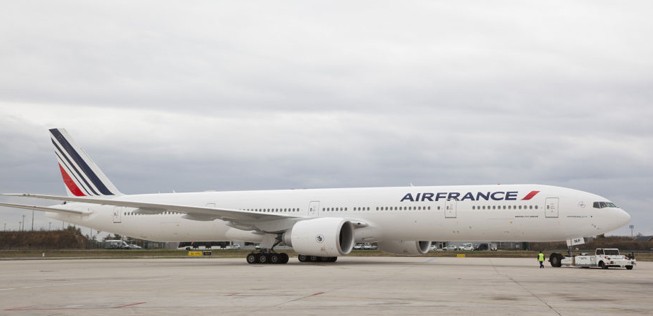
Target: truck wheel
x=629 y=267
x=602 y=265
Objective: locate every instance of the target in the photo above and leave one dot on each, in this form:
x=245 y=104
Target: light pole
x=22 y=228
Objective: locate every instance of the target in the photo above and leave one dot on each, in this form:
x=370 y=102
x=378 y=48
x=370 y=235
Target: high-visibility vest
x=540 y=257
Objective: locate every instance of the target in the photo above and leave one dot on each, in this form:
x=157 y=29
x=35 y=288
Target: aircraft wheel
x=283 y=258
x=251 y=258
x=301 y=258
x=274 y=258
x=262 y=258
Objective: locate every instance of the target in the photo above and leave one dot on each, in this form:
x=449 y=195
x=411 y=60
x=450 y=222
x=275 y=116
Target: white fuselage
x=434 y=213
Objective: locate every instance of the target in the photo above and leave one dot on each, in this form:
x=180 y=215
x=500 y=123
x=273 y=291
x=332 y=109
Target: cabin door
x=551 y=207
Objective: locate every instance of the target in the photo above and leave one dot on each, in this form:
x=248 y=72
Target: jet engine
x=403 y=247
x=324 y=237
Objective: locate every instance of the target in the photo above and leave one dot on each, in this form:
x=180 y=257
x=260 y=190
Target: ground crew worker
x=540 y=258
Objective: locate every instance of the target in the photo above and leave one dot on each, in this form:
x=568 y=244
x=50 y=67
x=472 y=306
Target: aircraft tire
x=284 y=258
x=252 y=258
x=262 y=258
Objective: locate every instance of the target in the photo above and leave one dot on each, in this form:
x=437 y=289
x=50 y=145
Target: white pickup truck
x=603 y=258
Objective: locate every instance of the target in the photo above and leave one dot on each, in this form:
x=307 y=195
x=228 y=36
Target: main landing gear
x=282 y=258
x=267 y=257
x=304 y=258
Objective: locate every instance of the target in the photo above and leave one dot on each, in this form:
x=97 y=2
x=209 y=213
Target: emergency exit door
x=313 y=208
x=450 y=209
x=117 y=213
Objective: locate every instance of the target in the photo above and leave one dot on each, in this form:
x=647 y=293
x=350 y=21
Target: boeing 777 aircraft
x=322 y=224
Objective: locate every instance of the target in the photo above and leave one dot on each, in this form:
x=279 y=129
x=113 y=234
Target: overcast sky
x=232 y=95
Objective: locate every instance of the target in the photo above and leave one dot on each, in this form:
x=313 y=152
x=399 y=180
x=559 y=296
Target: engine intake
x=326 y=237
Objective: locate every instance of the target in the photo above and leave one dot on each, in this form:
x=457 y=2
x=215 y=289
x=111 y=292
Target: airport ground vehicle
x=602 y=258
x=188 y=245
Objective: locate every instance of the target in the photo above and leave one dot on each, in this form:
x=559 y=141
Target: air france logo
x=467 y=196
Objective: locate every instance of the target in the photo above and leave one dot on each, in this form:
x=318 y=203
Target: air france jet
x=322 y=224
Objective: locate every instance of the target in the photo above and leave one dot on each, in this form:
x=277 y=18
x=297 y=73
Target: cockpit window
x=604 y=204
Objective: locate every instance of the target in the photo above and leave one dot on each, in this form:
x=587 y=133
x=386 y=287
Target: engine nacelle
x=325 y=236
x=403 y=247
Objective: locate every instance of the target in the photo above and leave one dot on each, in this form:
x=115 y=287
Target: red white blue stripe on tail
x=81 y=175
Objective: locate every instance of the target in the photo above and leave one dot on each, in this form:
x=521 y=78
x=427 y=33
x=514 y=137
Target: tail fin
x=81 y=175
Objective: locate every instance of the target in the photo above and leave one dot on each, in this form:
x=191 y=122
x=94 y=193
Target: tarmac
x=353 y=285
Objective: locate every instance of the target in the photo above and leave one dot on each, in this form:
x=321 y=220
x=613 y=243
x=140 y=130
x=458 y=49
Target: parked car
x=116 y=244
x=436 y=248
x=451 y=248
x=486 y=246
x=467 y=247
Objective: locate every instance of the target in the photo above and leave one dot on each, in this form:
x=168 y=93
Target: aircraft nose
x=622 y=216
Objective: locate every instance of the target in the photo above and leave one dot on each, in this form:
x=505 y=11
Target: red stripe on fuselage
x=530 y=195
x=70 y=184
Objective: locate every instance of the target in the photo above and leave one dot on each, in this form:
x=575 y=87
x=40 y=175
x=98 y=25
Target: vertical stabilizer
x=81 y=175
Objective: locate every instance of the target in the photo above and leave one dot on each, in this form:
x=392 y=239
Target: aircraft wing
x=192 y=212
x=45 y=209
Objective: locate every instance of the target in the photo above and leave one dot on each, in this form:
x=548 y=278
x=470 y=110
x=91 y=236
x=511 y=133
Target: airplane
x=322 y=224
